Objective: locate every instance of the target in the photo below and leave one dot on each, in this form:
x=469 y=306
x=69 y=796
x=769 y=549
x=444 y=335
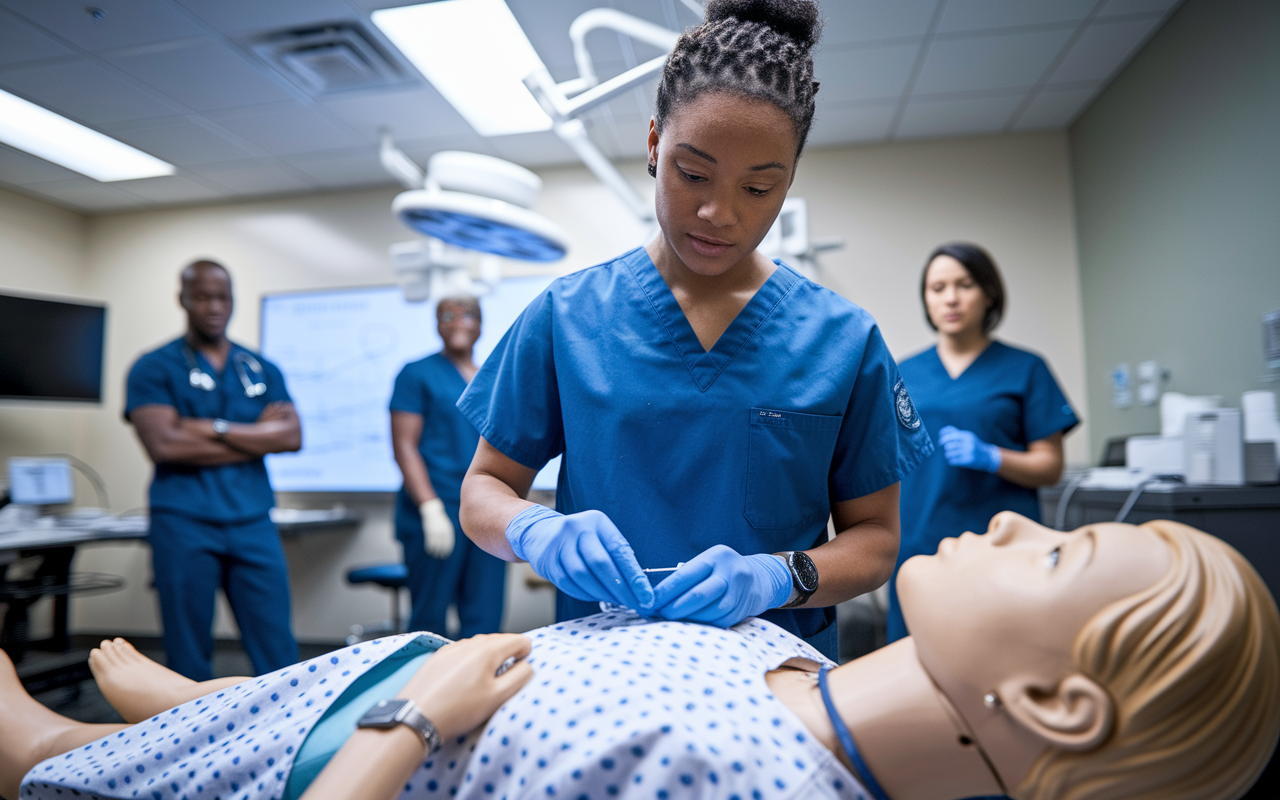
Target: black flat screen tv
x=51 y=349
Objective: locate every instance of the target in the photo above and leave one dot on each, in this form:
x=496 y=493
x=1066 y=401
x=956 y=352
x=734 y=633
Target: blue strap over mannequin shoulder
x=846 y=740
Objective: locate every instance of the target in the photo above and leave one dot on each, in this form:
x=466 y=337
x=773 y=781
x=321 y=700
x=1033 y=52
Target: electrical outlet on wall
x=1150 y=377
x=1121 y=386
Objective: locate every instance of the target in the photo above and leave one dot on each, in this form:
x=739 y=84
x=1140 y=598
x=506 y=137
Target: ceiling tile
x=239 y=16
x=849 y=124
x=414 y=113
x=974 y=15
x=84 y=92
x=85 y=194
x=285 y=128
x=18 y=168
x=1054 y=110
x=179 y=141
x=22 y=42
x=253 y=177
x=1116 y=8
x=864 y=73
x=533 y=149
x=1102 y=49
x=957 y=117
x=203 y=74
x=852 y=21
x=421 y=150
x=127 y=22
x=341 y=168
x=989 y=62
x=172 y=189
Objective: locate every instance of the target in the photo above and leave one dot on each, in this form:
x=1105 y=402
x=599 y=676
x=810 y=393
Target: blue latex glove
x=583 y=554
x=965 y=449
x=721 y=587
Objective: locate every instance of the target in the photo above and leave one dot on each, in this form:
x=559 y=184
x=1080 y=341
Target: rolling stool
x=393 y=577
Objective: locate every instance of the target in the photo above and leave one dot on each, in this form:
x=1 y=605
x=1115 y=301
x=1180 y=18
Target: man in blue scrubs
x=206 y=411
x=433 y=445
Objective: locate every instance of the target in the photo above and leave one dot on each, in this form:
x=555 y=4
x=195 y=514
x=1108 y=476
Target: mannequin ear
x=1077 y=714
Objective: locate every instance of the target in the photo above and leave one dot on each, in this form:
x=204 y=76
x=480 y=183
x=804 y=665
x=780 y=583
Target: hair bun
x=797 y=19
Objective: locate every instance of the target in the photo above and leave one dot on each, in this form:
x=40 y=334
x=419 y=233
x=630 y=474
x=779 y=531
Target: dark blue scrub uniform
x=796 y=405
x=470 y=578
x=209 y=525
x=1007 y=397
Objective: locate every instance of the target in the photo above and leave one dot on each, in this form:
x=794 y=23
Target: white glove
x=437 y=530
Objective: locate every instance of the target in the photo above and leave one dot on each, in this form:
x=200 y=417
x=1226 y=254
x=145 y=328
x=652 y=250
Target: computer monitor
x=51 y=349
x=40 y=481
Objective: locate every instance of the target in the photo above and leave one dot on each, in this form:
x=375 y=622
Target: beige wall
x=891 y=203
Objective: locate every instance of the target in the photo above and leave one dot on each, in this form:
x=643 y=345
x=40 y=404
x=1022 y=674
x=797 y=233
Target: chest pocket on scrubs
x=788 y=458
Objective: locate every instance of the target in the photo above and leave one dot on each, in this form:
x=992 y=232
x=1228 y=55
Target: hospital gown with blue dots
x=619 y=706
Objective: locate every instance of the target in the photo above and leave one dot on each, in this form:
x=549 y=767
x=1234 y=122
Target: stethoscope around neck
x=243 y=362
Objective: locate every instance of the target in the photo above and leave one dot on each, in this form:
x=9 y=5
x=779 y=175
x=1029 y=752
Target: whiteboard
x=340 y=351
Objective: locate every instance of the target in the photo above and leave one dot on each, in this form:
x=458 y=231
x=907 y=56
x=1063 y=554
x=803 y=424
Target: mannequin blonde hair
x=1193 y=666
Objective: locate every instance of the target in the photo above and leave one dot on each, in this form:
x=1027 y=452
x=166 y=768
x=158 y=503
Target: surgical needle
x=665 y=569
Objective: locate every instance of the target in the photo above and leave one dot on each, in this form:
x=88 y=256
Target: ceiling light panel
x=40 y=132
x=476 y=54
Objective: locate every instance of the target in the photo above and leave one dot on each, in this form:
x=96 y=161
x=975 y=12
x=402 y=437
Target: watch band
x=387 y=714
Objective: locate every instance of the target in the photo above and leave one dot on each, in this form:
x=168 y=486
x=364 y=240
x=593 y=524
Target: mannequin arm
x=861 y=556
x=1040 y=465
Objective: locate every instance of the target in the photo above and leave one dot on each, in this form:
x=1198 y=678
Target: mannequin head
x=1112 y=661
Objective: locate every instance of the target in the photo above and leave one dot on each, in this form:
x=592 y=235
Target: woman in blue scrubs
x=998 y=413
x=433 y=446
x=714 y=408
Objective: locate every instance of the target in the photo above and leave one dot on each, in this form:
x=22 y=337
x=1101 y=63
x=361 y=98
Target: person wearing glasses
x=206 y=411
x=433 y=444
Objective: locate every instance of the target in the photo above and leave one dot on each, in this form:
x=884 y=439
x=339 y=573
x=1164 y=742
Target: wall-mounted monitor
x=51 y=349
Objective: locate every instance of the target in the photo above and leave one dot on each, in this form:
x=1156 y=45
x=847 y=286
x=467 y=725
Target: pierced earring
x=653 y=170
x=992 y=700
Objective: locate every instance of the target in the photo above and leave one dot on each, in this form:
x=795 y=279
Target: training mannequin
x=1111 y=662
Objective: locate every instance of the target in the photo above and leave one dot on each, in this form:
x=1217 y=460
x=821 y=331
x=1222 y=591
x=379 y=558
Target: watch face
x=804 y=570
x=382 y=715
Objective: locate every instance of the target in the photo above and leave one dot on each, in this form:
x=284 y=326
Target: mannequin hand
x=965 y=449
x=437 y=531
x=583 y=554
x=720 y=587
x=456 y=687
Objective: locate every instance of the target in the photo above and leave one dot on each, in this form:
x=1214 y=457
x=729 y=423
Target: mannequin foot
x=139 y=688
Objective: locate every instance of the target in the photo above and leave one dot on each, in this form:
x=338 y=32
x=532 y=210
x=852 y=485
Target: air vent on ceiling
x=328 y=58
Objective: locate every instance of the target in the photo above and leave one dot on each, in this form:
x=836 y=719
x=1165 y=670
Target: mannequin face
x=954 y=300
x=724 y=164
x=987 y=610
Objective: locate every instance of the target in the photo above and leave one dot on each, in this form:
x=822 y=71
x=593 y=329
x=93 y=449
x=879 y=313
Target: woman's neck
x=463 y=361
x=958 y=350
x=900 y=722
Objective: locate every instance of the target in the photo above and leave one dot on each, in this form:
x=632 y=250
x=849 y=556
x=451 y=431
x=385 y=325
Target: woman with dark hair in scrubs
x=714 y=408
x=996 y=410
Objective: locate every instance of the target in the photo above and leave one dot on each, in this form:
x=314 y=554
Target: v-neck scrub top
x=1007 y=397
x=798 y=404
x=430 y=387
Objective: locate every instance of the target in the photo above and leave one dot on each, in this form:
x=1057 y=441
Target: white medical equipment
x=243 y=363
x=465 y=204
x=1213 y=448
x=787 y=239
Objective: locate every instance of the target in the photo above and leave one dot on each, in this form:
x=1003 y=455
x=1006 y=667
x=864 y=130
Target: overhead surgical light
x=466 y=203
x=476 y=54
x=42 y=133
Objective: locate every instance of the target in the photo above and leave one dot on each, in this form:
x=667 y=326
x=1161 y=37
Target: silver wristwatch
x=401 y=711
x=220 y=427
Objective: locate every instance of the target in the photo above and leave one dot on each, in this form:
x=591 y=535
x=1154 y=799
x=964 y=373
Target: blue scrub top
x=224 y=493
x=797 y=405
x=430 y=387
x=1007 y=397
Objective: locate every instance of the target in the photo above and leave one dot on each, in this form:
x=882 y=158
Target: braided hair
x=758 y=49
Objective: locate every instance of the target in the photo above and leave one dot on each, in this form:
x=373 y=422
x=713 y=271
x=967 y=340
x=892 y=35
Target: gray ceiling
x=178 y=79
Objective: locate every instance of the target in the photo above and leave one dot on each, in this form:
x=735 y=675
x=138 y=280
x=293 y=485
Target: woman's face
x=459 y=326
x=954 y=300
x=724 y=166
x=1011 y=602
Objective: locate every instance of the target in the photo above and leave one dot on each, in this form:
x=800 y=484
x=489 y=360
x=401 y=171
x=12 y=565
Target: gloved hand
x=965 y=449
x=583 y=554
x=437 y=530
x=721 y=587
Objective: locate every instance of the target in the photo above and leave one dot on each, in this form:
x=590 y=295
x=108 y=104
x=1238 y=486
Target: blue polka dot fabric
x=619 y=706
